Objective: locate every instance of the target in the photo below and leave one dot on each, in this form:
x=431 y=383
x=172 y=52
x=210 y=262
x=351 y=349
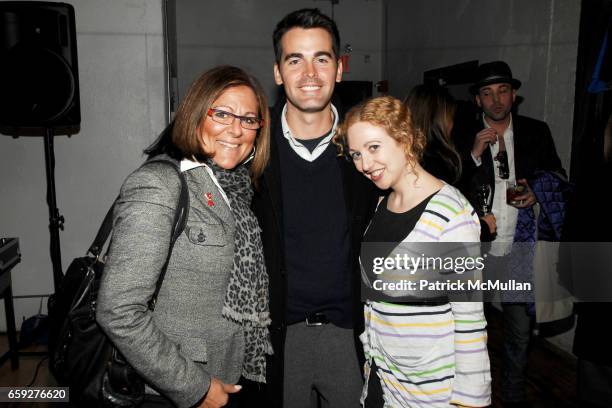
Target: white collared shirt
x=298 y=147
x=505 y=215
x=187 y=164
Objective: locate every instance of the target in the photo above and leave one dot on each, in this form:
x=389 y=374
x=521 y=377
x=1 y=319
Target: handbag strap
x=178 y=225
x=103 y=232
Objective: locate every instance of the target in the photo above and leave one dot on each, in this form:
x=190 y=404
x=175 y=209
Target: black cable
x=36 y=371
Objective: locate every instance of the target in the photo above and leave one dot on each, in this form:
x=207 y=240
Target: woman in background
x=431 y=351
x=432 y=111
x=209 y=326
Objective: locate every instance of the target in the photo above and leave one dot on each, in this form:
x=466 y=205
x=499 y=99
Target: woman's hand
x=217 y=395
x=489 y=219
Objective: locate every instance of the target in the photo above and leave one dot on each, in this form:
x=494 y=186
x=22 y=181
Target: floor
x=551 y=381
x=24 y=375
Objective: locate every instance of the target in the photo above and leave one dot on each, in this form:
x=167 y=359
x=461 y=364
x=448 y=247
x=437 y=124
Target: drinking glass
x=514 y=190
x=483 y=198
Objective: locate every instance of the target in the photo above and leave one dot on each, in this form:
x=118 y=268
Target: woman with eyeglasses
x=425 y=348
x=209 y=328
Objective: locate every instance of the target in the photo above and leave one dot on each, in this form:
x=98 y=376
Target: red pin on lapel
x=209 y=199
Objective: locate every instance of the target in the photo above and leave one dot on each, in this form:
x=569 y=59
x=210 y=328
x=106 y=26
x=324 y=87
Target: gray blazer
x=185 y=341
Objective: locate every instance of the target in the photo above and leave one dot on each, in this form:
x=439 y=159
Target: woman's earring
x=251 y=156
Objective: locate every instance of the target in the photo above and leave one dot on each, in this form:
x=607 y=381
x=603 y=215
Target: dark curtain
x=591 y=110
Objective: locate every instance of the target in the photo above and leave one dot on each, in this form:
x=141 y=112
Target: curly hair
x=390 y=114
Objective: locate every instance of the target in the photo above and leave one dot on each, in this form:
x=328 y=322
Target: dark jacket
x=552 y=193
x=360 y=197
x=534 y=149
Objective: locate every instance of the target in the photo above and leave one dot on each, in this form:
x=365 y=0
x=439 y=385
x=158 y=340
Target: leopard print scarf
x=246 y=298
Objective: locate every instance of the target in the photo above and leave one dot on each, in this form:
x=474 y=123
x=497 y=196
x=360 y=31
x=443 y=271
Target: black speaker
x=39 y=83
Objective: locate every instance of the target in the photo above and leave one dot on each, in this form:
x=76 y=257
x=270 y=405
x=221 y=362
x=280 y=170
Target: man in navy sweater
x=313 y=208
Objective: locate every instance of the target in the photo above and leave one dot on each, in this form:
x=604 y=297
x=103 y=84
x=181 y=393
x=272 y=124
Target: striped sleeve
x=472 y=386
x=449 y=217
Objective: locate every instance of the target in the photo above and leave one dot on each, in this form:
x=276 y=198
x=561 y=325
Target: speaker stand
x=56 y=220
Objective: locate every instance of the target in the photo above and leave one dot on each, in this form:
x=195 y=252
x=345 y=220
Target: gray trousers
x=321 y=363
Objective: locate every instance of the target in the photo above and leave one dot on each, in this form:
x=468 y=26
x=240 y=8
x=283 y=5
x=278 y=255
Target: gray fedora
x=496 y=72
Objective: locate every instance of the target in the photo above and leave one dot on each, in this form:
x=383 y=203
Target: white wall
x=121 y=74
x=239 y=32
x=539 y=39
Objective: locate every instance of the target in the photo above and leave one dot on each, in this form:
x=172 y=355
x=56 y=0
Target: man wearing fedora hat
x=501 y=148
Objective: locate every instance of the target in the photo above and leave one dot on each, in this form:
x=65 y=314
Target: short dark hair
x=305 y=18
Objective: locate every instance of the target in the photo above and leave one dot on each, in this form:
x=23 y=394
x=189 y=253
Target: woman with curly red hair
x=426 y=351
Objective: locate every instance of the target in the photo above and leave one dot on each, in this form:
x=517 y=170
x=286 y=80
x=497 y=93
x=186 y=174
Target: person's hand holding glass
x=519 y=195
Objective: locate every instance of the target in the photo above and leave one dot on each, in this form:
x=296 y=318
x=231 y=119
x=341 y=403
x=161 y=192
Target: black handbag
x=81 y=356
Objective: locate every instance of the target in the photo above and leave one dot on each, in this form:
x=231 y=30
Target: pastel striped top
x=448 y=217
x=433 y=355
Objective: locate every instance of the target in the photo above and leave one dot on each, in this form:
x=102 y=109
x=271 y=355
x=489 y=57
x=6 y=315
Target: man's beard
x=496 y=116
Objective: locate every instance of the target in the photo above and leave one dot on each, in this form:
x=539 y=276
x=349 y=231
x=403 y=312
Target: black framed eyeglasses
x=227 y=118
